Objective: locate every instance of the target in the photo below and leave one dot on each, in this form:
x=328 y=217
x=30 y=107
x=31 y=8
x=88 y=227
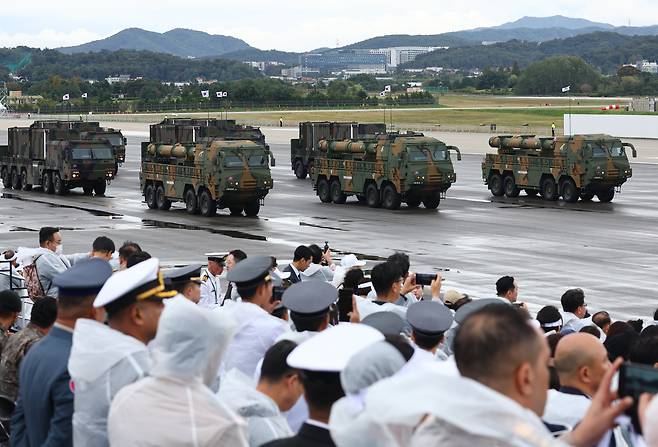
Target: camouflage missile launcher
x=58 y=157
x=187 y=161
x=385 y=170
x=304 y=148
x=578 y=166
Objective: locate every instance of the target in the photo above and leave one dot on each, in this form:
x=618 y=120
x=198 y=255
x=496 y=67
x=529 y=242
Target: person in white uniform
x=211 y=288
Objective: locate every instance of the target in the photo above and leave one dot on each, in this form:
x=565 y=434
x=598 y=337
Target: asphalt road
x=609 y=250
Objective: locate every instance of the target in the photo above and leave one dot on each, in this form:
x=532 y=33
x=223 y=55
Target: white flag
x=387 y=88
x=219 y=94
x=566 y=89
x=205 y=93
x=224 y=94
x=84 y=95
x=65 y=97
x=382 y=93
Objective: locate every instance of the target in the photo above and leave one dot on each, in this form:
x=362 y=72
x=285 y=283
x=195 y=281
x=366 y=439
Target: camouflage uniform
x=4 y=337
x=14 y=350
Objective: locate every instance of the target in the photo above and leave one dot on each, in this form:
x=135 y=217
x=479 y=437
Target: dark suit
x=293 y=276
x=45 y=402
x=308 y=436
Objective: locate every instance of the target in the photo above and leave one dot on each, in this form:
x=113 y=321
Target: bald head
x=580 y=361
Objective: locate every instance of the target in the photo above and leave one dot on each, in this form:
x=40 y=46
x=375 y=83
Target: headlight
x=75 y=174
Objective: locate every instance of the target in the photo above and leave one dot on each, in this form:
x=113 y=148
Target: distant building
x=647 y=67
x=16 y=98
x=344 y=60
x=401 y=55
x=645 y=104
x=115 y=79
x=262 y=65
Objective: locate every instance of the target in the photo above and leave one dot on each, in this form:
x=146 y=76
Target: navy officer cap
x=184 y=274
x=429 y=317
x=309 y=297
x=84 y=278
x=253 y=271
x=388 y=323
x=474 y=306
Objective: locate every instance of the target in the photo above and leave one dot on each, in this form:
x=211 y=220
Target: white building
x=401 y=55
x=118 y=78
x=647 y=67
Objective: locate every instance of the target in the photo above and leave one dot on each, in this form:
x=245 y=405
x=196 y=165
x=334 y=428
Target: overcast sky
x=291 y=25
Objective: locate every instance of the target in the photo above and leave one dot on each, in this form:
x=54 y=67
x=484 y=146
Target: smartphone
x=636 y=379
x=277 y=293
x=344 y=304
x=425 y=279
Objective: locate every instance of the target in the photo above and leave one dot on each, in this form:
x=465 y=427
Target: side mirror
x=272 y=160
x=125 y=141
x=456 y=149
x=633 y=151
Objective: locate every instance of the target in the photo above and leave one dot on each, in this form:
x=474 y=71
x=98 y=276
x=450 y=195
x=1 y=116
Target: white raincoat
x=175 y=407
x=317 y=272
x=102 y=362
x=264 y=419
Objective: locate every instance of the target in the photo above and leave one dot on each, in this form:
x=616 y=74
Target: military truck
x=304 y=148
x=45 y=155
x=574 y=167
x=207 y=164
x=384 y=170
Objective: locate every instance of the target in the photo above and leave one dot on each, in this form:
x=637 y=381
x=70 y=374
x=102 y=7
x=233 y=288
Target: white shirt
x=211 y=292
x=572 y=321
x=257 y=331
x=565 y=409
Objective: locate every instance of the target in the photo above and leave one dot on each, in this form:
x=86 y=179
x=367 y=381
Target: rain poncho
x=175 y=407
x=476 y=414
x=317 y=272
x=264 y=419
x=102 y=362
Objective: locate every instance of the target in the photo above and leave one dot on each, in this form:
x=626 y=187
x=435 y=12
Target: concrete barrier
x=622 y=126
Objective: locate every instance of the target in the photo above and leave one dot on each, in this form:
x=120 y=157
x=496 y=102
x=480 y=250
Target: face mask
x=60 y=249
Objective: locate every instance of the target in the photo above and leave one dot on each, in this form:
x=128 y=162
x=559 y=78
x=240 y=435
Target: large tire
x=337 y=195
x=191 y=202
x=100 y=187
x=432 y=202
x=149 y=196
x=390 y=197
x=47 y=183
x=549 y=189
x=252 y=209
x=235 y=210
x=373 y=198
x=207 y=206
x=24 y=184
x=606 y=195
x=161 y=200
x=15 y=180
x=323 y=190
x=59 y=187
x=300 y=170
x=413 y=203
x=586 y=196
x=570 y=192
x=496 y=184
x=510 y=188
x=6 y=178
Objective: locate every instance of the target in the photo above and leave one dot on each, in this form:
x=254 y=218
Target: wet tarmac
x=609 y=250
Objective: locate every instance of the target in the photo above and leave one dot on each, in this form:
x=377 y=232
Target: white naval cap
x=331 y=349
x=349 y=261
x=139 y=282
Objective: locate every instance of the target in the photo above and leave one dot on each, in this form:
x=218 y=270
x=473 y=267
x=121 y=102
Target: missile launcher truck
x=58 y=156
x=304 y=148
x=384 y=170
x=574 y=167
x=207 y=164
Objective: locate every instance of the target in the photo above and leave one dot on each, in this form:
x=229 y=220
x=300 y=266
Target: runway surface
x=609 y=250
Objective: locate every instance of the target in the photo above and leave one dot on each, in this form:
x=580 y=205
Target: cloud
x=48 y=38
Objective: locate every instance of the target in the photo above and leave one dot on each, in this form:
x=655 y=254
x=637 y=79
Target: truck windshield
x=439 y=153
x=232 y=161
x=257 y=160
x=598 y=150
x=617 y=150
x=417 y=153
x=115 y=139
x=100 y=153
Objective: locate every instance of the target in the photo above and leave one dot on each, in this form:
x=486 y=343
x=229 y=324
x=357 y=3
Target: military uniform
x=211 y=291
x=12 y=354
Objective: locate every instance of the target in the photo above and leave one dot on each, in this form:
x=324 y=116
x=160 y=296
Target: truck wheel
x=586 y=196
x=509 y=185
x=100 y=187
x=373 y=199
x=361 y=199
x=300 y=170
x=549 y=189
x=606 y=195
x=390 y=198
x=207 y=205
x=15 y=180
x=26 y=186
x=323 y=190
x=569 y=191
x=161 y=200
x=432 y=202
x=58 y=185
x=6 y=178
x=191 y=202
x=149 y=196
x=413 y=203
x=47 y=183
x=252 y=209
x=337 y=195
x=496 y=184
